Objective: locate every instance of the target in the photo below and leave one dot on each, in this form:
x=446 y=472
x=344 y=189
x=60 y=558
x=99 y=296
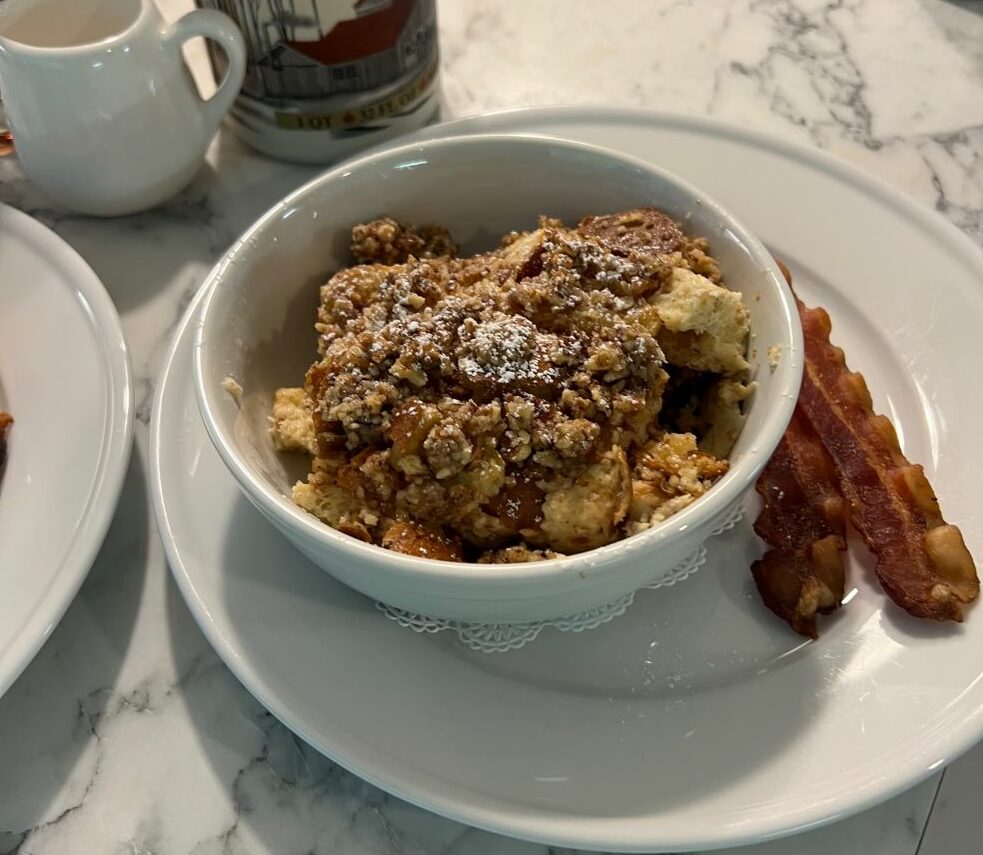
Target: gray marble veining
x=127 y=734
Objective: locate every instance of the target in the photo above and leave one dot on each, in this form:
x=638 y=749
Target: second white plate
x=697 y=719
x=65 y=378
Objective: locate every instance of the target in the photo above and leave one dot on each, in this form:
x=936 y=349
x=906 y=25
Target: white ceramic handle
x=220 y=28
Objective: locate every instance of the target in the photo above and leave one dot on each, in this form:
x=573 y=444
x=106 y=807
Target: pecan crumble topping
x=508 y=406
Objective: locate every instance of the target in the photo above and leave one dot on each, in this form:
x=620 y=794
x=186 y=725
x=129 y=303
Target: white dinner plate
x=65 y=378
x=697 y=719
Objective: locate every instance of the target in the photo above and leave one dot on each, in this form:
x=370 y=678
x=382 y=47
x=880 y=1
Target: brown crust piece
x=645 y=230
x=6 y=420
x=922 y=562
x=803 y=520
x=411 y=538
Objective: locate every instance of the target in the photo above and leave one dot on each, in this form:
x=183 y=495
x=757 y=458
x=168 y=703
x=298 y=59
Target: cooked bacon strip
x=803 y=520
x=922 y=562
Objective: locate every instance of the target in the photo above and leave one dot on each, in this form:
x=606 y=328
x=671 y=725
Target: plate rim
x=116 y=447
x=594 y=833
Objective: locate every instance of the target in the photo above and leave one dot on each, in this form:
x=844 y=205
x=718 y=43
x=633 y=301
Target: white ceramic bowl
x=257 y=326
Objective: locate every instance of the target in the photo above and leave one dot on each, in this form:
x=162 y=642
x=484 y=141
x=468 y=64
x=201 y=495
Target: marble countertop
x=127 y=734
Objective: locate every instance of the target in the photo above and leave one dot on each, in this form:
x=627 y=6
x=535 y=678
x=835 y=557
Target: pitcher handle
x=220 y=28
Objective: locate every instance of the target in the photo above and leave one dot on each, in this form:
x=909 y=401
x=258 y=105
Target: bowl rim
x=734 y=484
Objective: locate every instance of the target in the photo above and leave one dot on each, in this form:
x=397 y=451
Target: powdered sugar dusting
x=505 y=350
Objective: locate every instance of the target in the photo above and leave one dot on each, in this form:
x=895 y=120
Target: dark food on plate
x=921 y=561
x=802 y=573
x=570 y=388
x=6 y=420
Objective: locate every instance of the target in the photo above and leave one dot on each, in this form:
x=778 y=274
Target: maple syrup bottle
x=329 y=77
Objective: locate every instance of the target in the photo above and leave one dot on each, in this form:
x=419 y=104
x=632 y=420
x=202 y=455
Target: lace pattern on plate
x=502 y=637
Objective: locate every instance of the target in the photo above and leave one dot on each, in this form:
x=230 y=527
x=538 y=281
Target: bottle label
x=405 y=99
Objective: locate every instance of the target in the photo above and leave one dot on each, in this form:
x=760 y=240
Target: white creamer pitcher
x=105 y=115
